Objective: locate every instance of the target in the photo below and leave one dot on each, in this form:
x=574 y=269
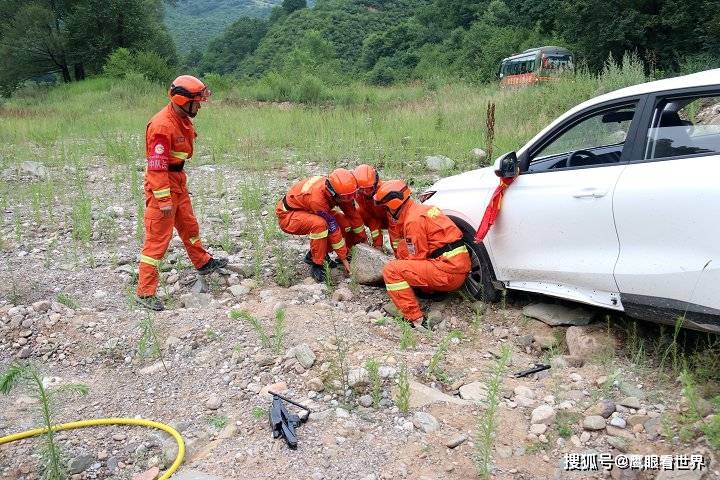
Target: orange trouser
x=429 y=275
x=300 y=222
x=351 y=237
x=158 y=233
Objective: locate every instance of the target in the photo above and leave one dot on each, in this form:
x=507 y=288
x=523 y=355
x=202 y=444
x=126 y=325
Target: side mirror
x=507 y=166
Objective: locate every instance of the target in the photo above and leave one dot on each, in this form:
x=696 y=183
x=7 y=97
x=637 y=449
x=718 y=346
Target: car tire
x=479 y=284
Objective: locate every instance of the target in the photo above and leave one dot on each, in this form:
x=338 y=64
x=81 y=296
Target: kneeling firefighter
x=434 y=259
x=308 y=208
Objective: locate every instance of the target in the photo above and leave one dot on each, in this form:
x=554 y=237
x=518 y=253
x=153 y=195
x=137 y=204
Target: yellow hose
x=109 y=421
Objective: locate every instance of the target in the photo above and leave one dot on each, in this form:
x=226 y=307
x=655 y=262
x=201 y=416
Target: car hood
x=472 y=180
x=465 y=195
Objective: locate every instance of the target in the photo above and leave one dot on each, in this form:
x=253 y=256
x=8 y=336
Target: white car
x=617 y=205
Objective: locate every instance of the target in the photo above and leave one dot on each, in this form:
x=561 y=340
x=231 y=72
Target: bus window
x=557 y=63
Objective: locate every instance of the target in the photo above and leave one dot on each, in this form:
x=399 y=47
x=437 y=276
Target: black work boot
x=317 y=272
x=421 y=325
x=309 y=260
x=151 y=302
x=212 y=265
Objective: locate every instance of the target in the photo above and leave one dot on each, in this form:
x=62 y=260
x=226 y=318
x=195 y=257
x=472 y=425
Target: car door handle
x=590 y=193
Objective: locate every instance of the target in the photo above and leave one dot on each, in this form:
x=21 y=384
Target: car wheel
x=479 y=284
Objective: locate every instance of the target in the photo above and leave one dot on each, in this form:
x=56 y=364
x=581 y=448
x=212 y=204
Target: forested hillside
x=193 y=23
x=387 y=41
x=287 y=46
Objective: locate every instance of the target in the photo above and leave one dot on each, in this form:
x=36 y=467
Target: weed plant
x=487 y=420
x=53 y=462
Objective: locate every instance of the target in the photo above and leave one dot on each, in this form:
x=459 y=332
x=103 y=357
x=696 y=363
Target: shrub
x=123 y=63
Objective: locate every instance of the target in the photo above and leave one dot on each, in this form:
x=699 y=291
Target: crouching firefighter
x=307 y=209
x=169 y=138
x=434 y=259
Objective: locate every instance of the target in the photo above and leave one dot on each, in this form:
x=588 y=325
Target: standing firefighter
x=308 y=209
x=434 y=257
x=169 y=141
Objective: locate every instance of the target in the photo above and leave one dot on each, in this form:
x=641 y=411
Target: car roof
x=700 y=79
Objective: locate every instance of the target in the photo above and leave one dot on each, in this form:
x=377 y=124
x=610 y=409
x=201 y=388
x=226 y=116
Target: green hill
x=193 y=23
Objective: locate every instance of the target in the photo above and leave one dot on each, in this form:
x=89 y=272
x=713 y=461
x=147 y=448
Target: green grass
x=217 y=421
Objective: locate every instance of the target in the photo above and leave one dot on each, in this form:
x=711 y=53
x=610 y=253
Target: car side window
x=687 y=126
x=597 y=139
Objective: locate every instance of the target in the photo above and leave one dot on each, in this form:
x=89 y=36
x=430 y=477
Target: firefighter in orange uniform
x=169 y=138
x=436 y=258
x=376 y=217
x=308 y=209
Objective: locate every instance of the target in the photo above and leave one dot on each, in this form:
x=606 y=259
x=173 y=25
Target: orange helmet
x=342 y=185
x=393 y=194
x=367 y=179
x=186 y=88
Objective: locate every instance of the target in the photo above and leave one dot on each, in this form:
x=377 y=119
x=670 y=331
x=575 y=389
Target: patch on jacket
x=410 y=246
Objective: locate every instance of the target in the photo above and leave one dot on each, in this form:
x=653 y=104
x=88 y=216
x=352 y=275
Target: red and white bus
x=536 y=65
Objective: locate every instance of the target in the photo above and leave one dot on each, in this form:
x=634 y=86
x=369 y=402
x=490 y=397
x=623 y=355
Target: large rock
x=604 y=408
x=422 y=395
x=196 y=300
x=200 y=286
x=479 y=154
x=594 y=422
x=437 y=163
x=425 y=422
x=28 y=169
x=588 y=341
x=475 y=391
x=81 y=463
x=556 y=315
x=543 y=414
x=367 y=265
x=358 y=377
x=304 y=355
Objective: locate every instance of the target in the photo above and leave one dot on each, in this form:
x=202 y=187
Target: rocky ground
x=68 y=313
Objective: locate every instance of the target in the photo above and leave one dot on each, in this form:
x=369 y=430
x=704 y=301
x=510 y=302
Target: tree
x=74 y=37
x=225 y=53
x=291 y=5
x=33 y=40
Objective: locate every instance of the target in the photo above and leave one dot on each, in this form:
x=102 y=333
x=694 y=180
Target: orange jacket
x=374 y=216
x=168 y=143
x=312 y=196
x=426 y=229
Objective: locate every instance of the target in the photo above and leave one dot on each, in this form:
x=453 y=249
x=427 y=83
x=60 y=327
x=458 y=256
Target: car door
x=667 y=211
x=556 y=233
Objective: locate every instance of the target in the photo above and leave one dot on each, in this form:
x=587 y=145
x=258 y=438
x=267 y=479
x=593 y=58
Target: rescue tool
x=282 y=422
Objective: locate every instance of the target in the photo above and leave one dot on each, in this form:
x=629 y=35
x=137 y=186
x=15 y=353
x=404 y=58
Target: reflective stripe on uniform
x=194 y=240
x=179 y=155
x=310 y=182
x=338 y=245
x=455 y=251
x=395 y=243
x=393 y=287
x=359 y=229
x=433 y=212
x=149 y=260
x=375 y=233
x=347 y=229
x=318 y=236
x=162 y=193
